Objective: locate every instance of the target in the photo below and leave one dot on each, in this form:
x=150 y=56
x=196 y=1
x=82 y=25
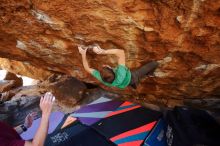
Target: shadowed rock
x=11 y=76
x=14 y=112
x=6 y=85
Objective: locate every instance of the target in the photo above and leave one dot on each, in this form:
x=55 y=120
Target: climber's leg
x=134 y=80
x=142 y=72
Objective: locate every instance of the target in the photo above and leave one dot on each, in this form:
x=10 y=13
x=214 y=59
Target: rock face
x=67 y=89
x=21 y=68
x=14 y=112
x=11 y=76
x=44 y=35
x=6 y=85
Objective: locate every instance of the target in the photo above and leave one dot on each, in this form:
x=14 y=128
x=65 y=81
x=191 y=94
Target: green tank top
x=122 y=77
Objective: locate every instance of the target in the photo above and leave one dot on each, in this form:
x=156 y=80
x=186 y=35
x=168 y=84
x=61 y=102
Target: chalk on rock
x=42 y=16
x=179 y=19
x=21 y=45
x=148 y=29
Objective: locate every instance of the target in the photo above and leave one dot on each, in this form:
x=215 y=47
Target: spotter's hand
x=46 y=103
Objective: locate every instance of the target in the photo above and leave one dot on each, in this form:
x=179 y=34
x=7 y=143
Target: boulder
x=6 y=85
x=68 y=90
x=14 y=77
x=44 y=36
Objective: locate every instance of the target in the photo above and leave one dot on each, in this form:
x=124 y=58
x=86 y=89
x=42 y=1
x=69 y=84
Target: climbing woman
x=121 y=76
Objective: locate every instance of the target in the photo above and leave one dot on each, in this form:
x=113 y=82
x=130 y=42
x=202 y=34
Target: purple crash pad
x=96 y=110
x=55 y=119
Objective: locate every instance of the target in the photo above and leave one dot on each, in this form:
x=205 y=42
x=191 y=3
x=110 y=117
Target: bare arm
x=84 y=60
x=46 y=107
x=118 y=52
x=86 y=65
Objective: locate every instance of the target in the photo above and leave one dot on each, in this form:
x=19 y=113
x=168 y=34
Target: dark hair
x=107 y=74
x=90 y=51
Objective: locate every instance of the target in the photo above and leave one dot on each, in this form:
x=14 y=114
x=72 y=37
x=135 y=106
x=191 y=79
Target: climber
x=120 y=76
x=10 y=136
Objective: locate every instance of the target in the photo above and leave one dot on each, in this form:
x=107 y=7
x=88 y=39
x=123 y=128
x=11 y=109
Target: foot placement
x=165 y=60
x=151 y=67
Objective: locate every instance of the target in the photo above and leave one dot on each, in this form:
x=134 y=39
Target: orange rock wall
x=25 y=69
x=45 y=34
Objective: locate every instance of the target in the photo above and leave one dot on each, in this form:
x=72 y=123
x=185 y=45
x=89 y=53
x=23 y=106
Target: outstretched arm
x=46 y=104
x=118 y=52
x=84 y=60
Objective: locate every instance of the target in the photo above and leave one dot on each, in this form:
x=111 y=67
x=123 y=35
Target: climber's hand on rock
x=98 y=50
x=81 y=50
x=46 y=104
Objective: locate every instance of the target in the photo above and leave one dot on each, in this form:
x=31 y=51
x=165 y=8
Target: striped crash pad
x=95 y=111
x=109 y=122
x=128 y=125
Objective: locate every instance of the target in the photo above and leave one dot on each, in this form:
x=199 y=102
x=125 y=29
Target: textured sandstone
x=6 y=85
x=25 y=69
x=14 y=77
x=44 y=36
